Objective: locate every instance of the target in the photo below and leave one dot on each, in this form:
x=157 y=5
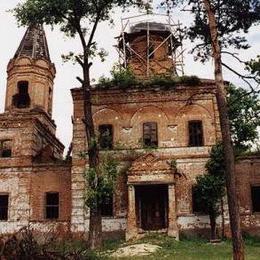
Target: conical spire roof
x=34 y=43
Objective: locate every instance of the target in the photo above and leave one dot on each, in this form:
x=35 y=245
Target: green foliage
x=253 y=66
x=210 y=190
x=125 y=79
x=195 y=248
x=161 y=80
x=173 y=165
x=232 y=16
x=216 y=164
x=103 y=185
x=79 y=17
x=244 y=116
x=122 y=78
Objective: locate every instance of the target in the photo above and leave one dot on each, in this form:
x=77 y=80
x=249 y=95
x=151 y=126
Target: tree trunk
x=222 y=218
x=213 y=226
x=95 y=220
x=238 y=245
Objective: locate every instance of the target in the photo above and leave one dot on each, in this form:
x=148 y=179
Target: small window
x=197 y=207
x=50 y=101
x=107 y=206
x=22 y=98
x=255 y=194
x=106 y=136
x=150 y=134
x=195 y=133
x=4 y=207
x=52 y=205
x=5 y=148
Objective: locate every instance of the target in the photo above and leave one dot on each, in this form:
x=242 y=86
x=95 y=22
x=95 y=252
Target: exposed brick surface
x=36 y=165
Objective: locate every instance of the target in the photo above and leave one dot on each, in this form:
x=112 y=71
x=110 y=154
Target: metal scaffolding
x=151 y=23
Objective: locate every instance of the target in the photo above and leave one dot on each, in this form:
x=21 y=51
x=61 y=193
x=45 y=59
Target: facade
x=161 y=137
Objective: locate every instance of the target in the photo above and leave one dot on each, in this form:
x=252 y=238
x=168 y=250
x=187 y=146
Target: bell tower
x=30 y=74
x=151 y=45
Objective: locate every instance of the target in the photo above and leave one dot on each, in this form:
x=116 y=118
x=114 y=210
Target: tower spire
x=34 y=43
x=31 y=74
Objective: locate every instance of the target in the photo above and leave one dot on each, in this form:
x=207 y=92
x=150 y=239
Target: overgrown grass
x=125 y=79
x=187 y=249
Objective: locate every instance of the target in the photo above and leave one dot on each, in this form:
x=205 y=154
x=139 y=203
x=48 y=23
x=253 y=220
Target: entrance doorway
x=152 y=206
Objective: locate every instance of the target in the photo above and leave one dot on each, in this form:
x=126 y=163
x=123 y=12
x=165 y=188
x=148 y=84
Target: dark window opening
x=4 y=207
x=50 y=100
x=107 y=206
x=106 y=136
x=150 y=138
x=22 y=98
x=5 y=148
x=52 y=205
x=255 y=193
x=197 y=207
x=195 y=133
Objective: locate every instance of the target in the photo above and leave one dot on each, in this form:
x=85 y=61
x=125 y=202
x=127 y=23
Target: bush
x=124 y=78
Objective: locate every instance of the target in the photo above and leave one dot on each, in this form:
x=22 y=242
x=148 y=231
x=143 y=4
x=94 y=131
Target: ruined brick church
x=38 y=187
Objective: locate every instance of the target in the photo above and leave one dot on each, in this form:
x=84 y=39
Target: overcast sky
x=11 y=36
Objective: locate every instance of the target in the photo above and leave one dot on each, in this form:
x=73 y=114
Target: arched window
x=22 y=98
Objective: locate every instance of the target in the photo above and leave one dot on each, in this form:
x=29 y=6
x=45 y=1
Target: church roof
x=34 y=43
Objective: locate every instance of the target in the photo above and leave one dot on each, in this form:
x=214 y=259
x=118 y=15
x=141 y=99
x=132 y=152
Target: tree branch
x=243 y=77
x=234 y=55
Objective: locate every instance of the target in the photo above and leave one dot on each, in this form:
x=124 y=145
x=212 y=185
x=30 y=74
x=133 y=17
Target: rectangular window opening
x=107 y=206
x=4 y=198
x=197 y=207
x=150 y=135
x=255 y=195
x=195 y=133
x=52 y=205
x=5 y=148
x=106 y=136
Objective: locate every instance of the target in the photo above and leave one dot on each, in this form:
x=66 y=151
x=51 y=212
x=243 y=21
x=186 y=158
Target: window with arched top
x=22 y=98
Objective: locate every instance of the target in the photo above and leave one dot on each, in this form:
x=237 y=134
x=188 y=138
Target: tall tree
x=216 y=24
x=244 y=109
x=244 y=116
x=79 y=18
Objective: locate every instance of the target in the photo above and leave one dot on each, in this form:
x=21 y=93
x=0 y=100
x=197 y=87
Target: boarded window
x=197 y=207
x=5 y=148
x=107 y=206
x=52 y=205
x=150 y=134
x=4 y=207
x=22 y=99
x=255 y=194
x=106 y=136
x=195 y=133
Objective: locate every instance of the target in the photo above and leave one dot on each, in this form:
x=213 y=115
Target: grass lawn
x=186 y=249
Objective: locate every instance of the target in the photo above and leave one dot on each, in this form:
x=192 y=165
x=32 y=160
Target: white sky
x=11 y=35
